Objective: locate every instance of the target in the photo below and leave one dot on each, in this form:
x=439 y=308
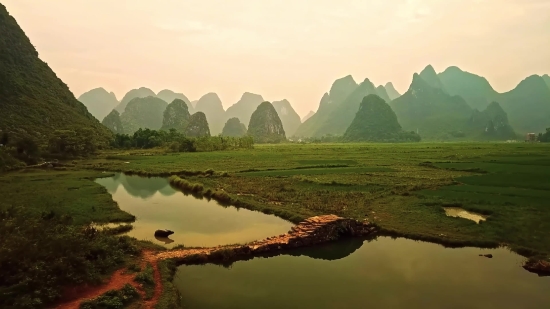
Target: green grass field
x=72 y=193
x=401 y=187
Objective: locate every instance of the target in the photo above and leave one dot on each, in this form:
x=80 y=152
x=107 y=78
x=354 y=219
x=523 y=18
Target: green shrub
x=221 y=196
x=147 y=279
x=197 y=187
x=134 y=268
x=146 y=276
x=114 y=299
x=121 y=229
x=39 y=255
x=170 y=297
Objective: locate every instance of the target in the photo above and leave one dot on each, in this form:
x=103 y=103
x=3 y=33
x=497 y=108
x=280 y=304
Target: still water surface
x=196 y=222
x=384 y=273
x=462 y=213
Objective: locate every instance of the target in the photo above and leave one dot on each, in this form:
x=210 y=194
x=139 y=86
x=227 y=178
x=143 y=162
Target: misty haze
x=274 y=154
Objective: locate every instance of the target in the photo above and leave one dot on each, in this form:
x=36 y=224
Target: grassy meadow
x=70 y=192
x=400 y=187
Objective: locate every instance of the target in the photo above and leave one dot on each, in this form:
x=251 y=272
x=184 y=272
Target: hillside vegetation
x=290 y=119
x=176 y=116
x=141 y=92
x=265 y=125
x=145 y=113
x=338 y=107
x=34 y=102
x=376 y=122
x=431 y=111
x=233 y=127
x=527 y=105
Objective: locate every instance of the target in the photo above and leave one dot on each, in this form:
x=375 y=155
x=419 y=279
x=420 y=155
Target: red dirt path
x=72 y=298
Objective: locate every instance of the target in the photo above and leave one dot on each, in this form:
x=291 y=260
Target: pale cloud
x=290 y=49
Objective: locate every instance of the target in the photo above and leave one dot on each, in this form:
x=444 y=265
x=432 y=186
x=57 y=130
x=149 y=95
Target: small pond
x=196 y=222
x=463 y=213
x=353 y=273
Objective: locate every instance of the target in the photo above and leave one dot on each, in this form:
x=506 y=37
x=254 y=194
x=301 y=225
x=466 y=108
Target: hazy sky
x=291 y=49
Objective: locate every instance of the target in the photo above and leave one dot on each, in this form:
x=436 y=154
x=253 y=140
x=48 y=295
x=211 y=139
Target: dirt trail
x=150 y=257
x=117 y=281
x=74 y=297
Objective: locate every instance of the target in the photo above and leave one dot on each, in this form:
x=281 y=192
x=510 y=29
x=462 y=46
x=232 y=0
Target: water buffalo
x=163 y=233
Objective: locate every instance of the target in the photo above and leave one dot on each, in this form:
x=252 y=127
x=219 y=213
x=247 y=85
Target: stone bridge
x=312 y=231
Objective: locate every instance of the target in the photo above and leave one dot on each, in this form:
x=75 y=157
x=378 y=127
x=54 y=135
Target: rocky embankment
x=312 y=231
x=540 y=267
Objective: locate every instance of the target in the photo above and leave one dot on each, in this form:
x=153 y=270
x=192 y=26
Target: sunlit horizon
x=282 y=49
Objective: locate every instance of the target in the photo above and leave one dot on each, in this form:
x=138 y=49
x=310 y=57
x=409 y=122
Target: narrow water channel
x=383 y=273
x=195 y=222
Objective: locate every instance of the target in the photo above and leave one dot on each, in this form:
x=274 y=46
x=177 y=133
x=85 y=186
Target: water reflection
x=164 y=240
x=384 y=273
x=137 y=186
x=462 y=213
x=196 y=222
x=331 y=252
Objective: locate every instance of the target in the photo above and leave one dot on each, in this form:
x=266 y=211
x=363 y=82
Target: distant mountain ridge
x=475 y=89
x=290 y=119
x=430 y=111
x=527 y=105
x=211 y=105
x=438 y=115
x=390 y=90
x=492 y=123
x=430 y=76
x=306 y=117
x=376 y=122
x=141 y=92
x=145 y=113
x=339 y=91
x=99 y=102
x=546 y=79
x=382 y=93
x=244 y=108
x=169 y=96
x=337 y=108
x=265 y=126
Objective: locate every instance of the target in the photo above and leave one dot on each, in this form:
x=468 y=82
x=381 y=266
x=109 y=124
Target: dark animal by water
x=163 y=233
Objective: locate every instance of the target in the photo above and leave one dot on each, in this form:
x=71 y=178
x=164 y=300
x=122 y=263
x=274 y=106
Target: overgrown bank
x=47 y=244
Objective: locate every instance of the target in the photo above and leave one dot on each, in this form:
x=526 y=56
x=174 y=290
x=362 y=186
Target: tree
x=27 y=150
x=5 y=138
x=72 y=143
x=544 y=137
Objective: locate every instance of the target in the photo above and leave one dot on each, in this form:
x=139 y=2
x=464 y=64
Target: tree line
x=83 y=142
x=178 y=142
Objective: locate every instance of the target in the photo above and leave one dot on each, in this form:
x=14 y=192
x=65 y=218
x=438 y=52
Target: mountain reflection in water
x=195 y=221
